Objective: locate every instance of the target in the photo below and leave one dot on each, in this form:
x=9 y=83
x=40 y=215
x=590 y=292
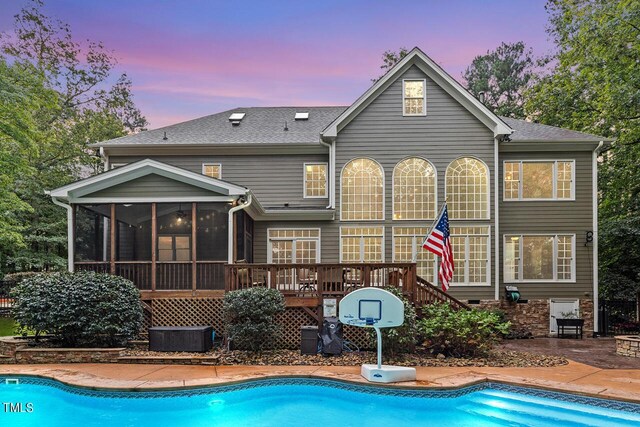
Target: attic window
x=236 y=118
x=413 y=98
x=301 y=116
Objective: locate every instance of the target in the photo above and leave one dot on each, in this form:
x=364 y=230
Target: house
x=318 y=200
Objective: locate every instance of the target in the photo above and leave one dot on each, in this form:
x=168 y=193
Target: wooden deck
x=303 y=285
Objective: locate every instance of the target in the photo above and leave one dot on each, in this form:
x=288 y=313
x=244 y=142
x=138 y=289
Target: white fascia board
x=143 y=168
x=437 y=74
x=158 y=199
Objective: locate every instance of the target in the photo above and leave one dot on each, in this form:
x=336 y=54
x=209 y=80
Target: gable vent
x=236 y=118
x=301 y=116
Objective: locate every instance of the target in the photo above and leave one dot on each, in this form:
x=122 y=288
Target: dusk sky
x=190 y=58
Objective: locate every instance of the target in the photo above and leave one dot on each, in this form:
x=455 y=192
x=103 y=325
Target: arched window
x=414 y=189
x=362 y=191
x=467 y=187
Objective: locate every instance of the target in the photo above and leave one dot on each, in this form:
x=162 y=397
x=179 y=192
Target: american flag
x=438 y=241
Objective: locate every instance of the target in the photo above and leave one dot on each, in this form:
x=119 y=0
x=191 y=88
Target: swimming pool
x=298 y=401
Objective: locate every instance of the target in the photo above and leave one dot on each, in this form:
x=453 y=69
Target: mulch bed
x=292 y=357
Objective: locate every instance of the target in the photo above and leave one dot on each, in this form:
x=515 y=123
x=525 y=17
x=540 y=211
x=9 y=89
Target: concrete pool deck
x=620 y=384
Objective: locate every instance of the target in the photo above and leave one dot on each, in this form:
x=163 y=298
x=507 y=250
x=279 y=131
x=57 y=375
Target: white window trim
x=293 y=244
x=414 y=255
x=446 y=175
x=424 y=98
x=116 y=165
x=304 y=180
x=362 y=242
x=555 y=258
x=384 y=184
x=204 y=165
x=466 y=250
x=393 y=190
x=555 y=181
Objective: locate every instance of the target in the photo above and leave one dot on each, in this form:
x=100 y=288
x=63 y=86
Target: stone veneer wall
x=628 y=346
x=16 y=351
x=534 y=314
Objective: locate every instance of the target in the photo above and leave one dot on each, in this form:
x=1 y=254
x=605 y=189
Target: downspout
x=70 y=252
x=594 y=174
x=230 y=226
x=332 y=175
x=496 y=210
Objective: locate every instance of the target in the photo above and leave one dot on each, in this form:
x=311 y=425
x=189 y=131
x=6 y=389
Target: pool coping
x=584 y=380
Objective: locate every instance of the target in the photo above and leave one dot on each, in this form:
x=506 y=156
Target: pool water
x=296 y=402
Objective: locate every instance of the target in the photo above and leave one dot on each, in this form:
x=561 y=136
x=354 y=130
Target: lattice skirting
x=208 y=311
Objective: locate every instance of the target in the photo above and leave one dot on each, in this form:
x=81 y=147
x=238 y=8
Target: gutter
x=70 y=242
x=230 y=229
x=596 y=317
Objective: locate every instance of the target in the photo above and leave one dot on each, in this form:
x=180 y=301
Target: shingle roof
x=265 y=125
x=260 y=125
x=529 y=131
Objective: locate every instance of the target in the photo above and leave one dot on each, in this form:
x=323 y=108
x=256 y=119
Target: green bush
x=250 y=318
x=79 y=309
x=402 y=339
x=460 y=333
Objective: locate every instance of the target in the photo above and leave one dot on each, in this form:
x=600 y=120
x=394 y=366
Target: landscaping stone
x=291 y=357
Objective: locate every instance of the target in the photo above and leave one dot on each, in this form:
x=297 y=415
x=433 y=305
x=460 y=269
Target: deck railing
x=169 y=275
x=322 y=280
x=427 y=293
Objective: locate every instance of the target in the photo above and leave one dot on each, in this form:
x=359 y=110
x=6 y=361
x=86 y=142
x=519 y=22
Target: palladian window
x=362 y=191
x=467 y=188
x=414 y=194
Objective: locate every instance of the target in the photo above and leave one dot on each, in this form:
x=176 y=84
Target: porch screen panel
x=212 y=231
x=173 y=271
x=133 y=234
x=92 y=236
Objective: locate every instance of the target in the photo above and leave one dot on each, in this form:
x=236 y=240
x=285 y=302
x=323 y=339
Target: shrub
x=79 y=309
x=460 y=333
x=250 y=318
x=402 y=339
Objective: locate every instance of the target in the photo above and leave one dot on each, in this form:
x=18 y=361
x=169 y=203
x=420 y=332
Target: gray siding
x=447 y=132
x=554 y=217
x=152 y=185
x=274 y=179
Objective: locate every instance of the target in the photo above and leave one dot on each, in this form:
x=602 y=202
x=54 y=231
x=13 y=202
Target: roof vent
x=301 y=116
x=236 y=118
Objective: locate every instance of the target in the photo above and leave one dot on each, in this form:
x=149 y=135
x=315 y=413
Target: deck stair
x=428 y=293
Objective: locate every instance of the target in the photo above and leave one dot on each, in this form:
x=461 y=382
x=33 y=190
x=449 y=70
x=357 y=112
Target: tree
x=503 y=75
x=389 y=59
x=594 y=86
x=73 y=100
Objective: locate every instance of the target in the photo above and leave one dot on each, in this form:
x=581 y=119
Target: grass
x=7 y=326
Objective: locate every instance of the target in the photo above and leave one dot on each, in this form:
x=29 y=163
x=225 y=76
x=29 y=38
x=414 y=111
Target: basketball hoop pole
x=379 y=337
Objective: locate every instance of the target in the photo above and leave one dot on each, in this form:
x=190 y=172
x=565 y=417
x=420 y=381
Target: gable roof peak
x=420 y=59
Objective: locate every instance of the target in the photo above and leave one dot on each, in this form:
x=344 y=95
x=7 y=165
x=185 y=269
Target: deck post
x=112 y=231
x=194 y=265
x=154 y=243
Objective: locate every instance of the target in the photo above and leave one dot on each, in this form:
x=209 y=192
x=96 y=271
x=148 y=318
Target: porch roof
x=92 y=189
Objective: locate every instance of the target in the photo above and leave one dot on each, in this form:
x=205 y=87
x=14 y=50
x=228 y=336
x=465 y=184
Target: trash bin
x=309 y=340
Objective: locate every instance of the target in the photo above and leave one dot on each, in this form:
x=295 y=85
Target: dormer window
x=414 y=98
